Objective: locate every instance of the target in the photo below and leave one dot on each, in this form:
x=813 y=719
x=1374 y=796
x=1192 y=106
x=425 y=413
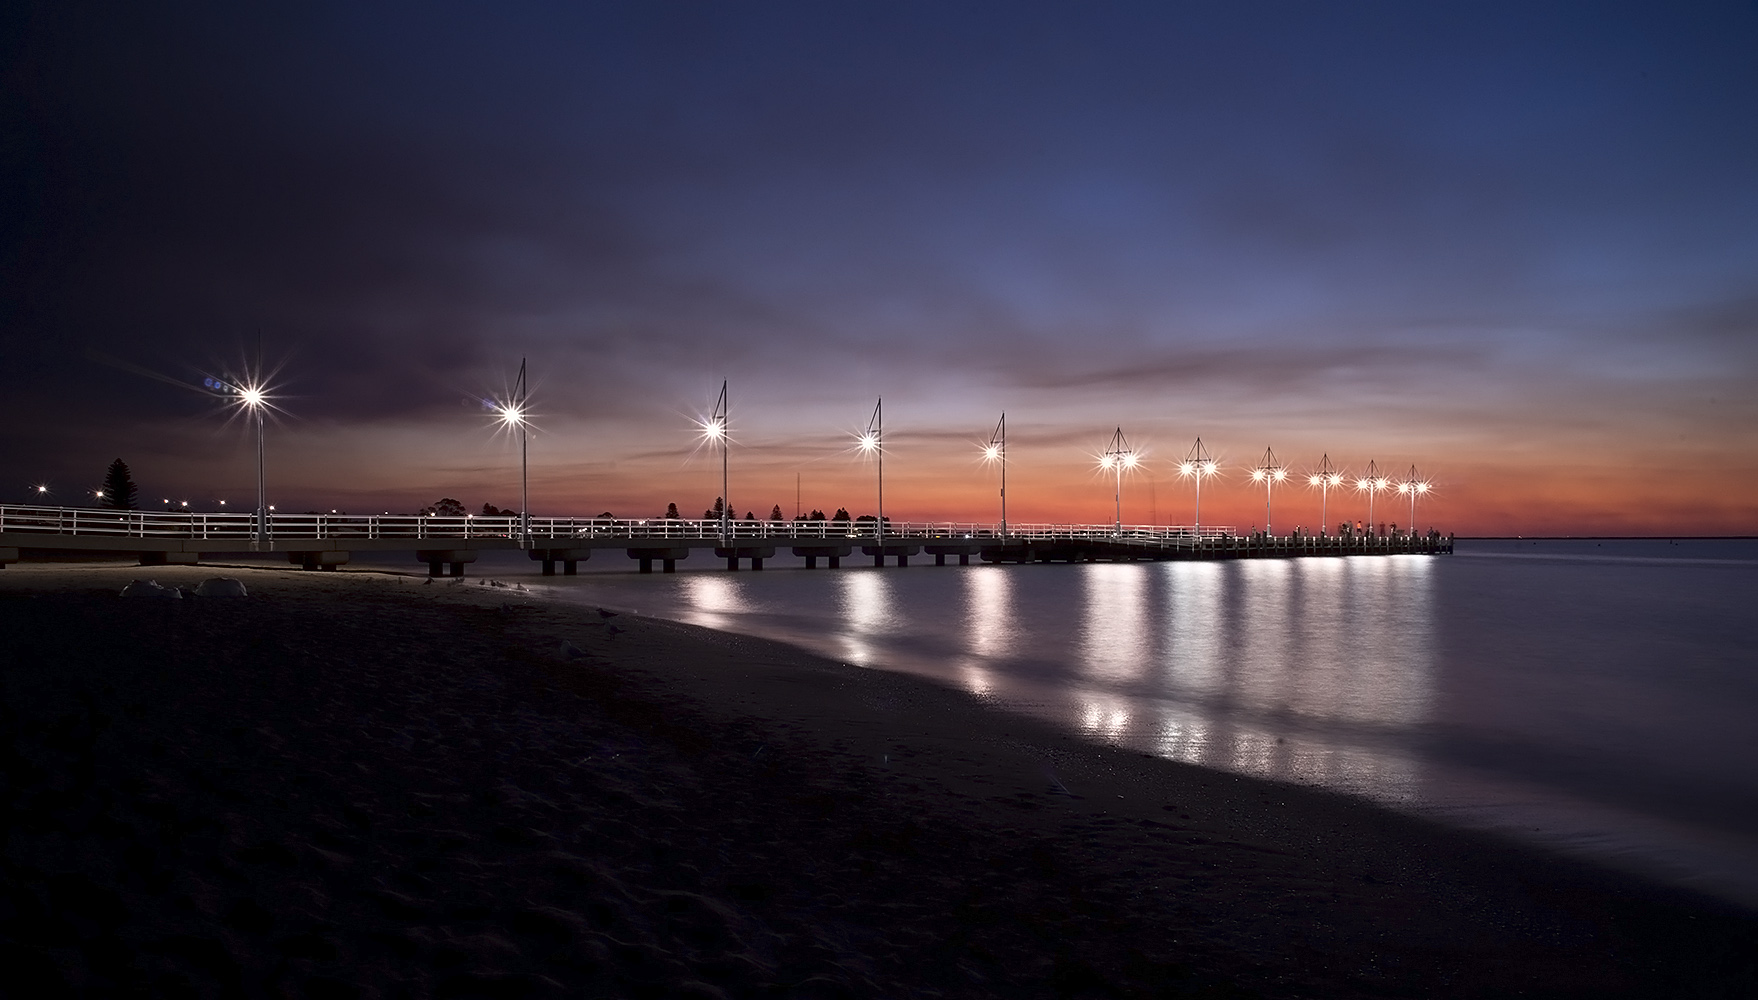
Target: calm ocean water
x=1595 y=696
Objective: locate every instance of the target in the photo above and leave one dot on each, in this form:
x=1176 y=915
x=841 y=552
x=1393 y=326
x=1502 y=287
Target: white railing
x=241 y=525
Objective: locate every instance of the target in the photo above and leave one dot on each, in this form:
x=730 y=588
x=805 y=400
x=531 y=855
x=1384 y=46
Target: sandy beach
x=357 y=784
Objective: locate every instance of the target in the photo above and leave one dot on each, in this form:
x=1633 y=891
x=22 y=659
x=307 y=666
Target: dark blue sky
x=1515 y=244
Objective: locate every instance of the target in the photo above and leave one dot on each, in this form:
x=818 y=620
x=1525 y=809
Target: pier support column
x=669 y=565
x=835 y=561
x=812 y=562
x=964 y=558
x=647 y=565
x=732 y=563
x=549 y=567
x=570 y=567
x=756 y=562
x=903 y=560
x=879 y=560
x=939 y=558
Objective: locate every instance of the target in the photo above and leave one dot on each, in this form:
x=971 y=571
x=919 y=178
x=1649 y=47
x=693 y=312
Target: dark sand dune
x=350 y=785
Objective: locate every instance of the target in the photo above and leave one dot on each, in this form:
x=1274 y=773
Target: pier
x=448 y=544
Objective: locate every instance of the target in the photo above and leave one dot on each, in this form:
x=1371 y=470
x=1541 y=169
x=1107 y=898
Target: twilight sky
x=1515 y=244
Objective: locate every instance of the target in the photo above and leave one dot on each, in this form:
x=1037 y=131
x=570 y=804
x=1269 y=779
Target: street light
x=1414 y=486
x=1117 y=457
x=512 y=413
x=996 y=451
x=716 y=429
x=253 y=398
x=1196 y=465
x=1269 y=472
x=1325 y=478
x=1372 y=482
x=872 y=442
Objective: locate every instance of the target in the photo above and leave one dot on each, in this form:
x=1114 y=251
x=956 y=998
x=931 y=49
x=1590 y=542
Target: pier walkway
x=447 y=543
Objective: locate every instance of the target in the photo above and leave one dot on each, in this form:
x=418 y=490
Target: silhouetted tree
x=490 y=510
x=775 y=513
x=750 y=517
x=119 y=490
x=671 y=512
x=840 y=515
x=713 y=513
x=446 y=507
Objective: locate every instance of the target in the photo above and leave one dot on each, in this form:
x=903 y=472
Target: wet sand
x=357 y=784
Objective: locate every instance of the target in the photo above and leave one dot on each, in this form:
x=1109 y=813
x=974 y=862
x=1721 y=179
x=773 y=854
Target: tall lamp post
x=512 y=414
x=873 y=443
x=1371 y=481
x=1196 y=465
x=254 y=399
x=996 y=451
x=1325 y=478
x=1413 y=486
x=1269 y=472
x=1117 y=457
x=715 y=428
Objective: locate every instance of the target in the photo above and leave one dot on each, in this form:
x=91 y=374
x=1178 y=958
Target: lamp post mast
x=878 y=426
x=724 y=433
x=1270 y=472
x=520 y=392
x=1117 y=458
x=1004 y=475
x=262 y=488
x=1197 y=464
x=997 y=451
x=1325 y=478
x=1373 y=483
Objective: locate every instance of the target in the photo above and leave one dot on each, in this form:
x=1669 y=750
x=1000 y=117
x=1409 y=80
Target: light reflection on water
x=1297 y=670
x=1602 y=701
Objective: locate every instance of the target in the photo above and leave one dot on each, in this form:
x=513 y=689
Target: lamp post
x=873 y=442
x=1324 y=478
x=715 y=429
x=996 y=451
x=1117 y=457
x=512 y=414
x=1269 y=472
x=1413 y=486
x=254 y=398
x=1372 y=481
x=1196 y=465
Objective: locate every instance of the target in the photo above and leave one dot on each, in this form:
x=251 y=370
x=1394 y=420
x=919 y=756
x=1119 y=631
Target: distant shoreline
x=1605 y=538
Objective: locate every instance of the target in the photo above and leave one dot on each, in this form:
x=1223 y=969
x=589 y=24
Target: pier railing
x=240 y=525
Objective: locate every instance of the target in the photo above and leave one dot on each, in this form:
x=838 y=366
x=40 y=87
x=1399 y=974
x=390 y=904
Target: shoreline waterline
x=351 y=731
x=1381 y=751
x=1403 y=751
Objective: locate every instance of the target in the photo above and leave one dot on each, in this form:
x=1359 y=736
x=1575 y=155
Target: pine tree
x=671 y=512
x=775 y=513
x=119 y=491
